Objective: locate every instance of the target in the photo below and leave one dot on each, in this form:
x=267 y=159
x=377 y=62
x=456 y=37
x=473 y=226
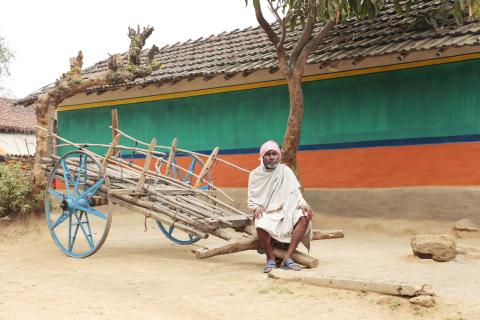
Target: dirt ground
x=142 y=275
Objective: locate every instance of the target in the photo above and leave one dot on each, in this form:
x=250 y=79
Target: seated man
x=279 y=210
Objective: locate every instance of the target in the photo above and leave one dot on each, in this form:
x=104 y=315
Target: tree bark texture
x=291 y=140
x=137 y=41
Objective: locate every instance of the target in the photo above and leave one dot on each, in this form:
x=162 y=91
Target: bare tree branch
x=312 y=44
x=274 y=11
x=306 y=34
x=266 y=26
x=273 y=37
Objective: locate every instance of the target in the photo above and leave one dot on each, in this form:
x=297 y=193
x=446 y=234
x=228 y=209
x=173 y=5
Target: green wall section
x=433 y=101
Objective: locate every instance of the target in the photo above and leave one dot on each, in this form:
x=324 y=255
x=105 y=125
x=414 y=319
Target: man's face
x=271 y=160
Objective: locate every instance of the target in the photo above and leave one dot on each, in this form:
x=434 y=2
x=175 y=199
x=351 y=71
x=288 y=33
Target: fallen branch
x=357 y=284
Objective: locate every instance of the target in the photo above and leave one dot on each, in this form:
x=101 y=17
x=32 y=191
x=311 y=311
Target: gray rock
x=466 y=225
x=437 y=247
x=424 y=301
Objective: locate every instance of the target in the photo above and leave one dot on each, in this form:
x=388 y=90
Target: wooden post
x=146 y=165
x=173 y=149
x=51 y=129
x=206 y=167
x=110 y=152
x=114 y=127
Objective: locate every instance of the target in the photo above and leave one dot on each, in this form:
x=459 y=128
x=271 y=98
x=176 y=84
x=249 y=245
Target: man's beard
x=271 y=165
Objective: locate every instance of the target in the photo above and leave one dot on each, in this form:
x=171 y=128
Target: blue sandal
x=269 y=266
x=290 y=265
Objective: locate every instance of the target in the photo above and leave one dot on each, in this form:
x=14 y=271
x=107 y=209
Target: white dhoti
x=275 y=224
x=278 y=192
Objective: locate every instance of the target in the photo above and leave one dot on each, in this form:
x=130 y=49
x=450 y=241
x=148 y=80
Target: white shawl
x=278 y=191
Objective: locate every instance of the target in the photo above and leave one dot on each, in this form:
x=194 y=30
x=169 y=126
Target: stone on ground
x=424 y=301
x=437 y=247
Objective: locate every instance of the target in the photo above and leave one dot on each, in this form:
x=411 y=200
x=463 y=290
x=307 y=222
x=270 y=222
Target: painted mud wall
x=413 y=127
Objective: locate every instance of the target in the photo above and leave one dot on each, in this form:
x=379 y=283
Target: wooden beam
x=208 y=164
x=110 y=152
x=171 y=156
x=231 y=246
x=114 y=127
x=146 y=165
x=114 y=123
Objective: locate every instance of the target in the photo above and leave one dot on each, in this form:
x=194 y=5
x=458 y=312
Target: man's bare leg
x=297 y=235
x=266 y=242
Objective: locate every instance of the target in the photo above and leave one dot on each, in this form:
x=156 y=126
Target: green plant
x=15 y=191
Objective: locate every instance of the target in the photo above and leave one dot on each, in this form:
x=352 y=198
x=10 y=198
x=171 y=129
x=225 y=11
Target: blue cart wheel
x=77 y=205
x=195 y=165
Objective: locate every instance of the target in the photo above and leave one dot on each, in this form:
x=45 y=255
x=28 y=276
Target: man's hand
x=257 y=213
x=308 y=212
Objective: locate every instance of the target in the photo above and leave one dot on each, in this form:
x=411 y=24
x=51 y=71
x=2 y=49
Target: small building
x=17 y=129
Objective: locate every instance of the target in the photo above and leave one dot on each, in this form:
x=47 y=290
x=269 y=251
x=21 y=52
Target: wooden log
x=146 y=165
x=298 y=257
x=231 y=246
x=206 y=167
x=326 y=234
x=352 y=283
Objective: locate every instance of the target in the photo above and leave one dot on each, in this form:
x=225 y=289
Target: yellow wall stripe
x=272 y=83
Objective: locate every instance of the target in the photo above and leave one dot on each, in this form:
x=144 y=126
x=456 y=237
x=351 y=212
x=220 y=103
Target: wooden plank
x=171 y=156
x=114 y=127
x=353 y=283
x=146 y=165
x=206 y=167
x=110 y=152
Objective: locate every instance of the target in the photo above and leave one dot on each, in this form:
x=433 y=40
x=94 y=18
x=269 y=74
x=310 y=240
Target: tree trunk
x=291 y=140
x=42 y=147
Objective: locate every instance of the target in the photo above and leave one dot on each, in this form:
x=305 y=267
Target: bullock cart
x=173 y=187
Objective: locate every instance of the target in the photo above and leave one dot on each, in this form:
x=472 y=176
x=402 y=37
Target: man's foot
x=269 y=266
x=290 y=265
